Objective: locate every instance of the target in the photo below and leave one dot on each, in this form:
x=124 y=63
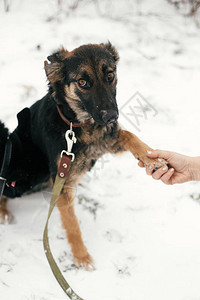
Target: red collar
x=69 y=123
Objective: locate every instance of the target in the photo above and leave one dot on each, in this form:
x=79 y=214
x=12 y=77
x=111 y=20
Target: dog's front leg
x=128 y=141
x=70 y=223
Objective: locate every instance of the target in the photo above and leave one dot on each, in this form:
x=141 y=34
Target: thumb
x=158 y=153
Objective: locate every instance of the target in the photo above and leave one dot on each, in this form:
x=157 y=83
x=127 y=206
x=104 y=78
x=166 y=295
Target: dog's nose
x=109 y=116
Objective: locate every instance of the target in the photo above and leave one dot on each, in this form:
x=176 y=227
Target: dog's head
x=86 y=78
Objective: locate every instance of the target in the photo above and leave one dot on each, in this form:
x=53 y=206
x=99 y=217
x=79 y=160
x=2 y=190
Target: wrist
x=195 y=168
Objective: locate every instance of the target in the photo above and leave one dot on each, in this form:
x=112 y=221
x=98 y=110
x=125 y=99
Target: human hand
x=181 y=168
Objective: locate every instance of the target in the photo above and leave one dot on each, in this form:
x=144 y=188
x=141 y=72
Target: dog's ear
x=112 y=50
x=58 y=56
x=54 y=68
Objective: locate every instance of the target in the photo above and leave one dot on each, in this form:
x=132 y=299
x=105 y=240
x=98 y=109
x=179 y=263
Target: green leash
x=58 y=185
x=57 y=188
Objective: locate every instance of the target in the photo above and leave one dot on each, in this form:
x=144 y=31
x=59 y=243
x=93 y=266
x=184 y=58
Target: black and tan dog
x=82 y=87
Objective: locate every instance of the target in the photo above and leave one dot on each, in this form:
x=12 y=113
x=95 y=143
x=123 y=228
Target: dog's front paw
x=158 y=162
x=85 y=262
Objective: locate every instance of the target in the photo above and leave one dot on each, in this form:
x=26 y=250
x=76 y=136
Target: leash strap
x=5 y=165
x=66 y=158
x=58 y=185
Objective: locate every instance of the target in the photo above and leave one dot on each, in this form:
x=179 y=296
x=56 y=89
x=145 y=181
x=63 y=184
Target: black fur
x=39 y=138
x=28 y=166
x=3 y=138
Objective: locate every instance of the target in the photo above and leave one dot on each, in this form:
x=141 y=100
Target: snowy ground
x=143 y=235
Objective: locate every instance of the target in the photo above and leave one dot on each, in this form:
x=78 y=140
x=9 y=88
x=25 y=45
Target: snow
x=142 y=235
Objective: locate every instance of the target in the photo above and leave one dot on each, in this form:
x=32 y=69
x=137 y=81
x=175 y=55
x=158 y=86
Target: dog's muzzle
x=109 y=116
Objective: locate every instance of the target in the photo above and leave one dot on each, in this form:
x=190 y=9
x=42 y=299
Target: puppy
x=82 y=91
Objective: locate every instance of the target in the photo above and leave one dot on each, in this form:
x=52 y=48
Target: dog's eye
x=110 y=76
x=82 y=83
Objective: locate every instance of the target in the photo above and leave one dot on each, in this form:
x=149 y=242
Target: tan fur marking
x=87 y=68
x=70 y=223
x=5 y=215
x=70 y=92
x=73 y=101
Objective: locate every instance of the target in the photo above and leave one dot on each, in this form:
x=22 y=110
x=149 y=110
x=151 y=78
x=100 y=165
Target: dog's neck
x=67 y=113
x=66 y=109
x=71 y=123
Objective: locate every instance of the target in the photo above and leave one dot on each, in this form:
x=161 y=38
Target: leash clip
x=70 y=141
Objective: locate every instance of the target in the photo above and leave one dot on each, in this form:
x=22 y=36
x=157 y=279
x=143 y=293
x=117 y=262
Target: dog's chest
x=94 y=151
x=93 y=145
x=87 y=156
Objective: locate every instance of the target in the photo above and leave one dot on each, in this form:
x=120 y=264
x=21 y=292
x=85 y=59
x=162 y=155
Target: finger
x=167 y=177
x=160 y=172
x=140 y=164
x=149 y=169
x=158 y=153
